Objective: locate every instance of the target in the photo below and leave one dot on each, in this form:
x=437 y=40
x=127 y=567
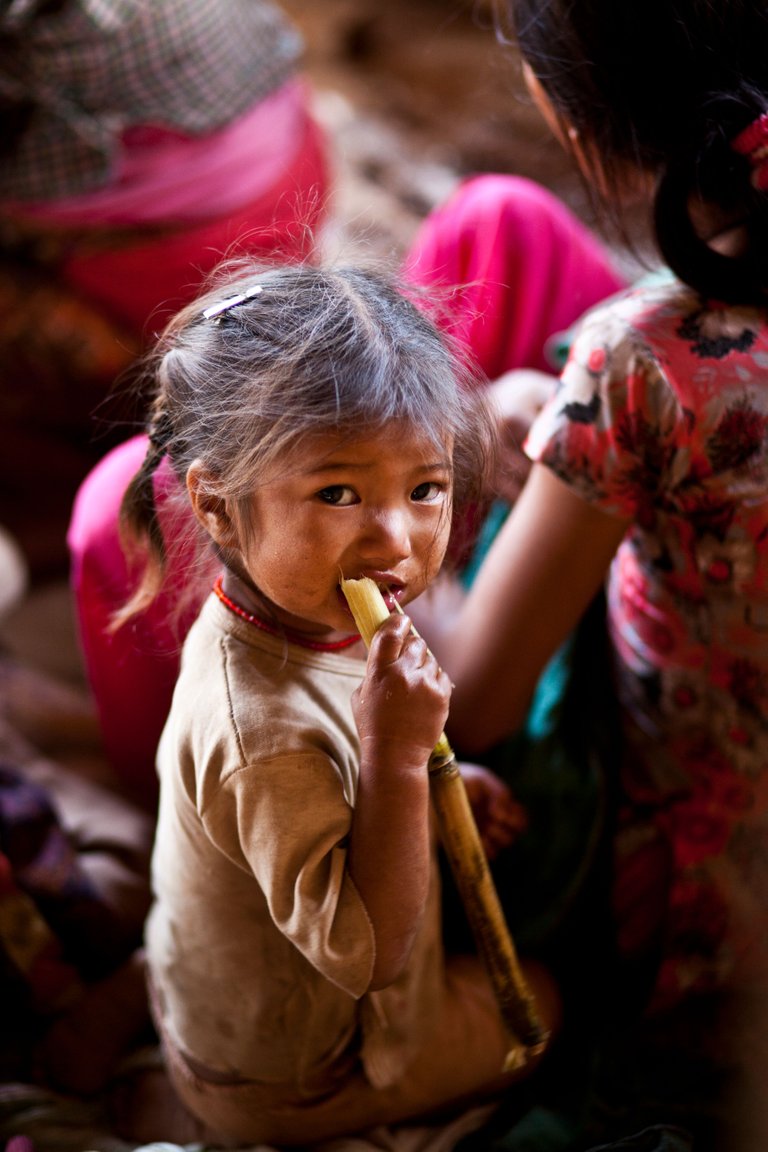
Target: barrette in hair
x=752 y=142
x=217 y=310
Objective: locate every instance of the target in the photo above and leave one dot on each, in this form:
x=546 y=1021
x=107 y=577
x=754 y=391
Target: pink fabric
x=528 y=269
x=165 y=176
x=533 y=270
x=141 y=284
x=132 y=671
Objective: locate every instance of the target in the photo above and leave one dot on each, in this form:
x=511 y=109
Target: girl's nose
x=386 y=536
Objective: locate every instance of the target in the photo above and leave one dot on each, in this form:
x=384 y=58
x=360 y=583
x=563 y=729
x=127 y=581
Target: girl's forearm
x=389 y=858
x=539 y=576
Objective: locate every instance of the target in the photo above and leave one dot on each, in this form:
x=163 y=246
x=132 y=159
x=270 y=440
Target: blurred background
x=413 y=95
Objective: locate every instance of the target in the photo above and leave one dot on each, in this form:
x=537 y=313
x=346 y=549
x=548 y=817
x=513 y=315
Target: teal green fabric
x=613 y=1081
x=556 y=766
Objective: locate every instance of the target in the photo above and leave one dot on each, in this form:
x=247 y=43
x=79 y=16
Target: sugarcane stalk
x=468 y=862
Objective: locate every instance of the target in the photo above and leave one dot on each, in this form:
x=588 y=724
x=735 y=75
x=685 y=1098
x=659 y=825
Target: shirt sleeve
x=613 y=431
x=287 y=821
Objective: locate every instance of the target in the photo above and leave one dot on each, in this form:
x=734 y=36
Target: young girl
x=651 y=466
x=320 y=430
x=529 y=269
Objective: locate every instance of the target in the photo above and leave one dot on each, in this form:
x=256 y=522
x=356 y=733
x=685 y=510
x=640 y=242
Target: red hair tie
x=752 y=142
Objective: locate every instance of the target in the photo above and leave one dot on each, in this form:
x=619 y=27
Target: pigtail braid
x=140 y=530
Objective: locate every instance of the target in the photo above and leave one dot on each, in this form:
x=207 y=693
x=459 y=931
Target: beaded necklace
x=282 y=633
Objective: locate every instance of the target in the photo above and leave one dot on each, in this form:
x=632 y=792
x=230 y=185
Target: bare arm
x=541 y=573
x=518 y=396
x=400 y=710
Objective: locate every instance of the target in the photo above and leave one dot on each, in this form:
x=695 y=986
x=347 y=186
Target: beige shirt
x=260 y=946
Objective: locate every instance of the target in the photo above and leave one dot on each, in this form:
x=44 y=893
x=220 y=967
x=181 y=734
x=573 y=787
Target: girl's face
x=564 y=133
x=634 y=184
x=378 y=506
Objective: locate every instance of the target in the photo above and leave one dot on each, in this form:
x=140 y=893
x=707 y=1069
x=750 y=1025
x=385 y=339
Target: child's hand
x=499 y=817
x=400 y=710
x=518 y=397
x=402 y=704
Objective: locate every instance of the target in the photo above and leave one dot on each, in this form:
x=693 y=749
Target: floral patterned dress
x=661 y=417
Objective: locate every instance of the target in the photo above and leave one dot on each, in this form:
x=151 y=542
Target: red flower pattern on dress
x=738 y=437
x=677 y=441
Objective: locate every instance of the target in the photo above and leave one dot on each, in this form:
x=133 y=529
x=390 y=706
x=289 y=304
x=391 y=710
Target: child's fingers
x=387 y=645
x=507 y=813
x=502 y=828
x=500 y=817
x=395 y=640
x=496 y=837
x=405 y=694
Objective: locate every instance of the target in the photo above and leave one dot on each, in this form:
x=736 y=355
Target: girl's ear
x=211 y=511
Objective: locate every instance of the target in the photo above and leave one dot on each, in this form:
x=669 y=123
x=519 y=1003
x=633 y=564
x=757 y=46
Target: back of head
x=663 y=87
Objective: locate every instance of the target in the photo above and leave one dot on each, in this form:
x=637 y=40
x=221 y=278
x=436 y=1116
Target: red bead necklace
x=282 y=633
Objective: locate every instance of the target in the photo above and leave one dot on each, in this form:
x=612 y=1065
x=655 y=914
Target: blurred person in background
x=140 y=142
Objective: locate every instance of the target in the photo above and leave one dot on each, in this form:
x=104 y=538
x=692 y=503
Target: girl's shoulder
x=248 y=690
x=659 y=314
x=663 y=350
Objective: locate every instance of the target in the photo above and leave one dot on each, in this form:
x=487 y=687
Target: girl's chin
x=334 y=624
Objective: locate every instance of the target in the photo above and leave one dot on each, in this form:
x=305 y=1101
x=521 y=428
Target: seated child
x=320 y=429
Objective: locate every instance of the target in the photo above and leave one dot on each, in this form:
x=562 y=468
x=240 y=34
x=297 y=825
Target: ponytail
x=737 y=279
x=717 y=171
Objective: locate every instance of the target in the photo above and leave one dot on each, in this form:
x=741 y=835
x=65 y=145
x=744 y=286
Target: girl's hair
x=664 y=87
x=266 y=358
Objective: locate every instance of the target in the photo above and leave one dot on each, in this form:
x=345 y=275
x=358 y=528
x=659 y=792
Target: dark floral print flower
x=727 y=789
x=709 y=514
x=739 y=436
x=699 y=918
x=717 y=344
x=580 y=413
x=685 y=697
x=747 y=684
x=637 y=435
x=704 y=832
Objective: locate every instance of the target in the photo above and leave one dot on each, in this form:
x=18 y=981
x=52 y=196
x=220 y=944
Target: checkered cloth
x=74 y=79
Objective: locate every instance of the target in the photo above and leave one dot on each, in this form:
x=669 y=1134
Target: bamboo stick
x=468 y=862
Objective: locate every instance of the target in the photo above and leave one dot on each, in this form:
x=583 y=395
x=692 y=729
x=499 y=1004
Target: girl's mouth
x=391 y=594
x=391 y=590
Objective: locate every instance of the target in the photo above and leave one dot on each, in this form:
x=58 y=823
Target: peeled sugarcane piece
x=467 y=859
x=367 y=605
x=469 y=866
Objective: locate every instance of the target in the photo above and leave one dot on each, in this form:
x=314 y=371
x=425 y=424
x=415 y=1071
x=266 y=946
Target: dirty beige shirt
x=259 y=944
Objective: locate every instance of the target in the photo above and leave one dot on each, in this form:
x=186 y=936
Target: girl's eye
x=338 y=495
x=428 y=493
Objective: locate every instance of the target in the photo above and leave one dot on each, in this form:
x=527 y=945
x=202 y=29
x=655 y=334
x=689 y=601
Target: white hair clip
x=217 y=310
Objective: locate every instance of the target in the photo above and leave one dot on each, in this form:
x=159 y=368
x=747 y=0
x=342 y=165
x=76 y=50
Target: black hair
x=662 y=87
